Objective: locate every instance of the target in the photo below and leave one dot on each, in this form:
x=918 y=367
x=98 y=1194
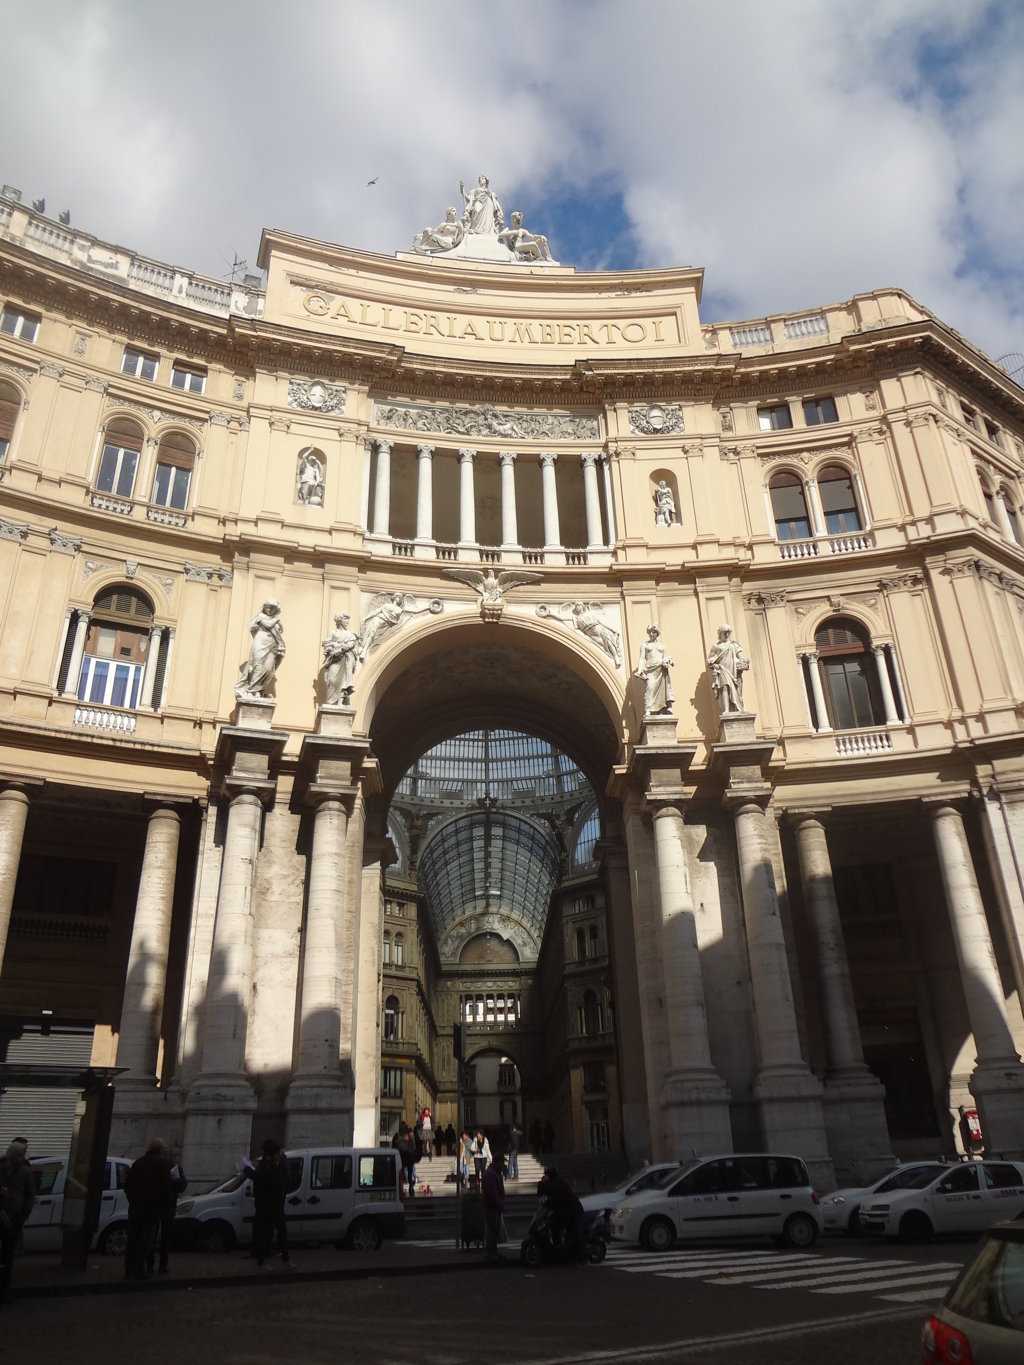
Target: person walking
x=515 y=1141
x=481 y=1153
x=269 y=1187
x=450 y=1138
x=465 y=1156
x=405 y=1145
x=179 y=1185
x=17 y=1195
x=428 y=1134
x=492 y=1187
x=150 y=1190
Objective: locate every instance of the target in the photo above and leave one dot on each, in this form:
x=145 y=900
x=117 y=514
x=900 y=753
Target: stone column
x=509 y=520
x=552 y=535
x=156 y=634
x=888 y=701
x=997 y=1083
x=425 y=494
x=606 y=470
x=142 y=1007
x=817 y=691
x=319 y=1104
x=467 y=498
x=1003 y=517
x=77 y=652
x=854 y=1099
x=593 y=501
x=815 y=508
x=695 y=1098
x=382 y=490
x=13 y=815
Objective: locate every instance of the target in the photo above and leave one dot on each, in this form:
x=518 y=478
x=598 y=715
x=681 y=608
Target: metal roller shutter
x=44 y=1115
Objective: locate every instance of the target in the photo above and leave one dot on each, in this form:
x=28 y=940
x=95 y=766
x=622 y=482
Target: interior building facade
x=789 y=916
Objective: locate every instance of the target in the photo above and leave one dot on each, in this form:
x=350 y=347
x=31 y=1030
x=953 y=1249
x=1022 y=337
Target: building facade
x=331 y=716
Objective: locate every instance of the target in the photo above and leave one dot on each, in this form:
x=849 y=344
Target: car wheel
x=658 y=1234
x=531 y=1253
x=915 y=1227
x=853 y=1227
x=364 y=1235
x=215 y=1237
x=800 y=1232
x=113 y=1240
x=597 y=1250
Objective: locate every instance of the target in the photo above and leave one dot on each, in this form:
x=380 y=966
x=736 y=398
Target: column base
x=695 y=1108
x=218 y=1126
x=142 y=1112
x=318 y=1112
x=858 y=1135
x=791 y=1114
x=999 y=1094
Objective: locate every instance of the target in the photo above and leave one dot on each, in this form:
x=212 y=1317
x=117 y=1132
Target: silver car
x=982 y=1316
x=842 y=1207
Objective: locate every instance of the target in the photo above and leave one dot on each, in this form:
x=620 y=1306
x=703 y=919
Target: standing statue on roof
x=482 y=214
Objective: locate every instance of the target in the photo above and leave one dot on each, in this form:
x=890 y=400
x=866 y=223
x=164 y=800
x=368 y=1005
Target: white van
x=345 y=1195
x=42 y=1228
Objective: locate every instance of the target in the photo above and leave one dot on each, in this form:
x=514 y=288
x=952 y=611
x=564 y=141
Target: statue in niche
x=386 y=612
x=664 y=505
x=483 y=214
x=441 y=238
x=588 y=619
x=492 y=588
x=728 y=664
x=340 y=658
x=524 y=246
x=654 y=667
x=309 y=479
x=265 y=652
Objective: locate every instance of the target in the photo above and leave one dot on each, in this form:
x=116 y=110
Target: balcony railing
x=858 y=743
x=100 y=718
x=812 y=548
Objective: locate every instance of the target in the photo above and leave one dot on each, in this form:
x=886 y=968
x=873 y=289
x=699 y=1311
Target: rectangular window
x=469 y=1113
x=170 y=486
x=391 y=1082
x=377 y=1172
x=593 y=1076
x=330 y=1173
x=775 y=418
x=117 y=470
x=846 y=684
x=140 y=364
x=105 y=682
x=970 y=415
x=23 y=326
x=187 y=377
x=819 y=410
x=993 y=433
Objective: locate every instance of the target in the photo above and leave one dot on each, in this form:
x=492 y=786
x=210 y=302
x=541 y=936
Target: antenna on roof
x=1013 y=364
x=237 y=267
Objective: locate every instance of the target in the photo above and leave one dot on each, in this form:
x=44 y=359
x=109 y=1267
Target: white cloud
x=801 y=150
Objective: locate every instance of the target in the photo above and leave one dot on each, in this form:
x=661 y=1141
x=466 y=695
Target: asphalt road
x=843 y=1302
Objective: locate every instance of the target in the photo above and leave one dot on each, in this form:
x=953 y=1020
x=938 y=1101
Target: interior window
x=331 y=1173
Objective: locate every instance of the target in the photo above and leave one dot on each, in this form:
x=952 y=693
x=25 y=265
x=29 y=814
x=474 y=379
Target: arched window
x=399 y=950
x=392 y=1015
x=591 y=1021
x=789 y=508
x=175 y=459
x=116 y=649
x=581 y=946
x=594 y=943
x=10 y=406
x=119 y=458
x=838 y=501
x=848 y=676
x=1012 y=514
x=387 y=949
x=989 y=499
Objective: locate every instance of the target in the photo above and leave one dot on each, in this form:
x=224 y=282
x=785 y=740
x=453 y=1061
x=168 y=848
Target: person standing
x=405 y=1145
x=179 y=1184
x=465 y=1155
x=536 y=1139
x=492 y=1187
x=515 y=1141
x=17 y=1195
x=481 y=1153
x=269 y=1187
x=450 y=1139
x=149 y=1190
x=428 y=1134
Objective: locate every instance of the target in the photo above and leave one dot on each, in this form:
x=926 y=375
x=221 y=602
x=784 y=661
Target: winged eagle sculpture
x=492 y=587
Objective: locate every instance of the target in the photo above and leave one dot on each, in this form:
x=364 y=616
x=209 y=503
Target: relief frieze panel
x=486 y=420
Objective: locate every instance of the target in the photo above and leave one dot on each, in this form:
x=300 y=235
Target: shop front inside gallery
x=395 y=642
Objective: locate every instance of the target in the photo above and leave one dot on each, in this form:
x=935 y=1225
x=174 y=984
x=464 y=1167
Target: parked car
x=981 y=1321
x=742 y=1195
x=43 y=1226
x=646 y=1179
x=842 y=1207
x=969 y=1197
x=345 y=1195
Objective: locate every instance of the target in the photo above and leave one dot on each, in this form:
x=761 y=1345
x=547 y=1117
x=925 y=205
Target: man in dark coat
x=150 y=1189
x=567 y=1221
x=17 y=1195
x=269 y=1187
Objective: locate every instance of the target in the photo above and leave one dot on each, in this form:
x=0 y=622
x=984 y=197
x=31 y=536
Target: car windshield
x=667 y=1177
x=991 y=1288
x=646 y=1179
x=239 y=1178
x=911 y=1179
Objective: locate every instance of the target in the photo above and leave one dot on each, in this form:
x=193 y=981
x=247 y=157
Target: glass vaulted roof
x=499 y=808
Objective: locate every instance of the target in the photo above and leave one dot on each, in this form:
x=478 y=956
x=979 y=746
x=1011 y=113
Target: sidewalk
x=42 y=1275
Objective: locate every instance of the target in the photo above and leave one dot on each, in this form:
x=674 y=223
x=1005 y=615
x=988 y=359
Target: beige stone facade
x=798 y=925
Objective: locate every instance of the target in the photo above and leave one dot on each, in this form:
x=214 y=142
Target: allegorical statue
x=483 y=213
x=340 y=660
x=265 y=652
x=441 y=238
x=309 y=480
x=654 y=668
x=664 y=505
x=525 y=246
x=728 y=664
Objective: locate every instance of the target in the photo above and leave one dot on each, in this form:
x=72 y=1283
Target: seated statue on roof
x=441 y=238
x=525 y=246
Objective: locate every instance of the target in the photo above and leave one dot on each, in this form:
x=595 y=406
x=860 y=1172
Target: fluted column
x=552 y=535
x=467 y=498
x=156 y=634
x=609 y=501
x=888 y=701
x=138 y=1043
x=1003 y=517
x=77 y=652
x=382 y=490
x=509 y=519
x=593 y=501
x=817 y=691
x=425 y=493
x=13 y=816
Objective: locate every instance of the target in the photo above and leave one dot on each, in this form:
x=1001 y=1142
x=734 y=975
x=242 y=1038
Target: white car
x=42 y=1229
x=647 y=1178
x=842 y=1207
x=755 y=1194
x=966 y=1198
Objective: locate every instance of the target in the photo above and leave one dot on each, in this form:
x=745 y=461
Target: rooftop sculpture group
x=481 y=232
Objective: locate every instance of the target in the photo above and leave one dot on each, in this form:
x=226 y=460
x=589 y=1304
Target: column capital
x=425 y=452
x=548 y=459
x=589 y=459
x=936 y=806
x=746 y=803
x=466 y=456
x=817 y=815
x=506 y=457
x=383 y=447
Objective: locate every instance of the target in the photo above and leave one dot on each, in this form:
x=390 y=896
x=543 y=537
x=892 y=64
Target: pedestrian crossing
x=895 y=1281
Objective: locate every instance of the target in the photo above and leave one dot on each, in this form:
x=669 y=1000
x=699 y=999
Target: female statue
x=654 y=668
x=265 y=652
x=339 y=662
x=482 y=213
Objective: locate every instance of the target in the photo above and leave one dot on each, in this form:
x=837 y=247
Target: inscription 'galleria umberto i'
x=508 y=331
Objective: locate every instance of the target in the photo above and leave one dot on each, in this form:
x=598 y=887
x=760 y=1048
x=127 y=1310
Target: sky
x=800 y=151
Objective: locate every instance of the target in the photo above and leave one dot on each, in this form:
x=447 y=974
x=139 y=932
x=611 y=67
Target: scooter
x=539 y=1248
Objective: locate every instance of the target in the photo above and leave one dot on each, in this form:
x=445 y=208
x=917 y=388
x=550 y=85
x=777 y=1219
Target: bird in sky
x=373 y=181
